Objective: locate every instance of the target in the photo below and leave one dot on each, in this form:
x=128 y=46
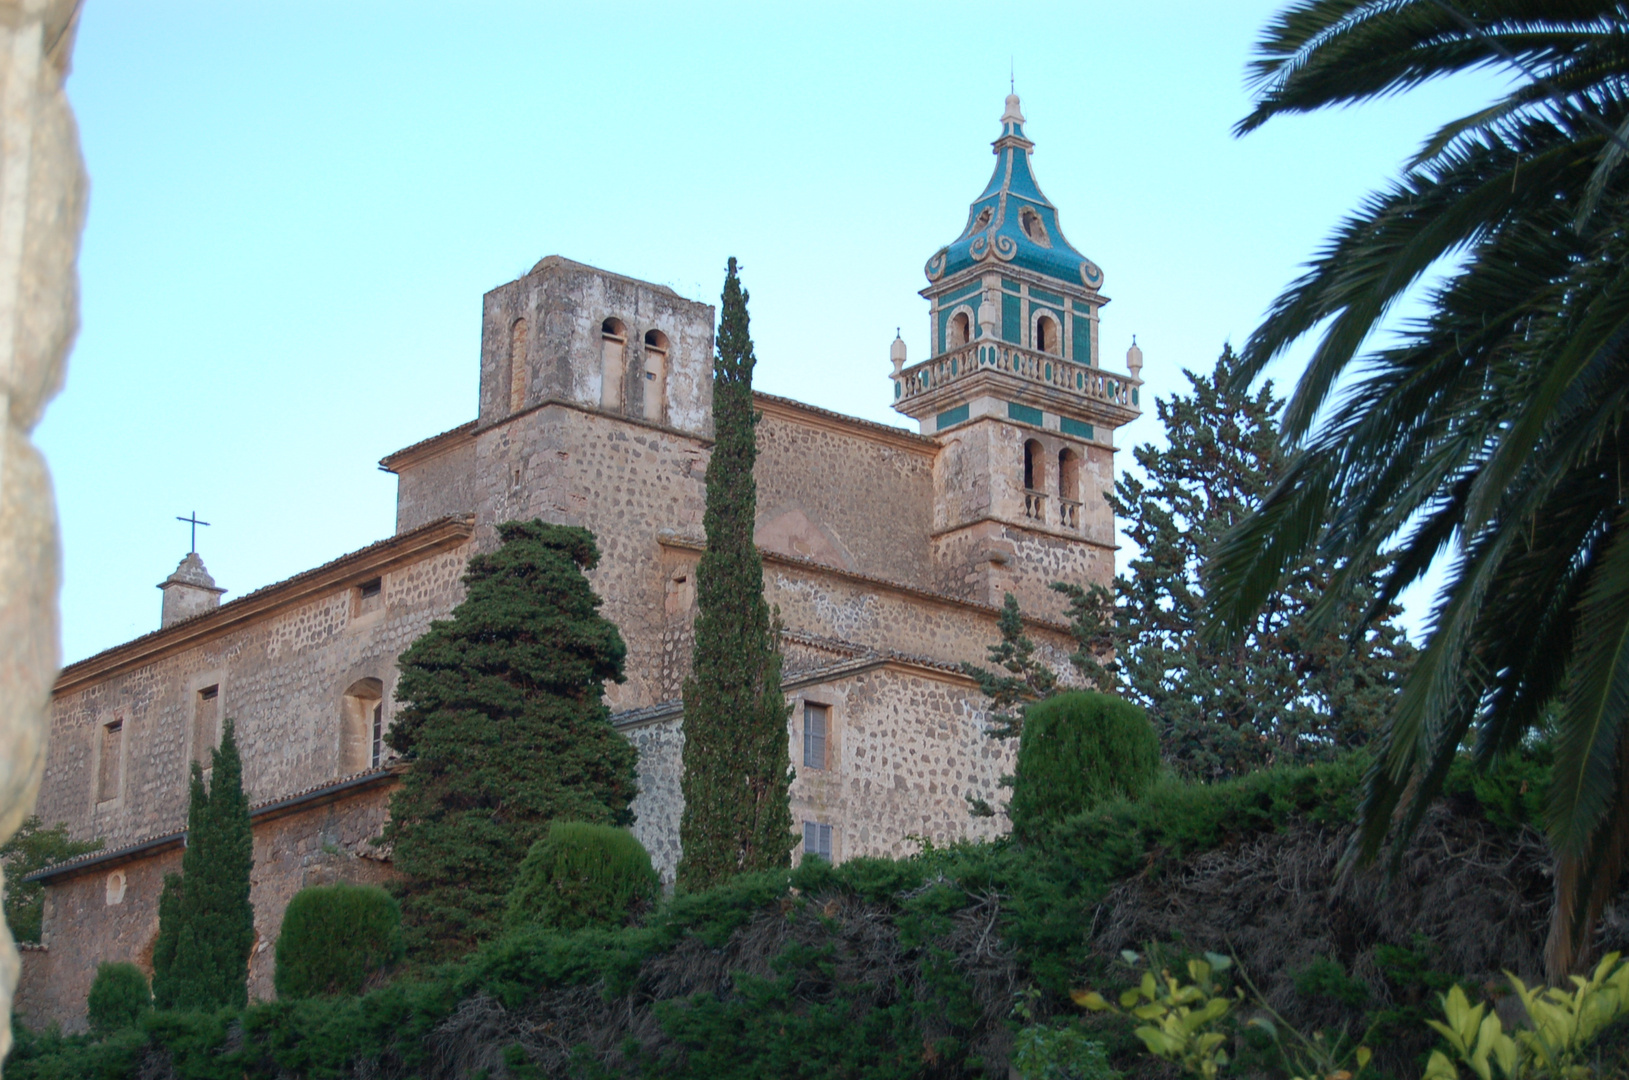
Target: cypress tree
x=506 y=727
x=737 y=769
x=206 y=925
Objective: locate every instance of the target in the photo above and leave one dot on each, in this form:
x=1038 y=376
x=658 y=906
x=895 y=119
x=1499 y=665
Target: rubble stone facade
x=886 y=551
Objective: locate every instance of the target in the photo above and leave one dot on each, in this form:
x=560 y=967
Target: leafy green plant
x=1555 y=1046
x=1041 y=1052
x=118 y=998
x=334 y=937
x=1181 y=1022
x=581 y=875
x=1079 y=749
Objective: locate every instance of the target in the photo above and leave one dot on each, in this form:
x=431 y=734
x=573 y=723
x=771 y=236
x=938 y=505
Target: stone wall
x=110 y=913
x=840 y=492
x=627 y=483
x=282 y=678
x=906 y=747
x=437 y=483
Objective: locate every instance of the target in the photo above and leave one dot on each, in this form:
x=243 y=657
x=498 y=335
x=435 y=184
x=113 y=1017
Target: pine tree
x=1027 y=680
x=737 y=769
x=206 y=925
x=1291 y=689
x=506 y=726
x=34 y=847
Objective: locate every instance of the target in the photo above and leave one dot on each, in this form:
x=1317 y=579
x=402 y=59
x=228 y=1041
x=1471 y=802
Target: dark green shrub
x=1077 y=750
x=117 y=998
x=581 y=875
x=334 y=937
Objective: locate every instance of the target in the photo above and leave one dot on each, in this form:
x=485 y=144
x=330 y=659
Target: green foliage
x=1181 y=1022
x=803 y=1010
x=737 y=768
x=1488 y=432
x=1041 y=1052
x=1019 y=678
x=118 y=998
x=205 y=921
x=1555 y=1044
x=1326 y=978
x=34 y=847
x=1077 y=750
x=581 y=875
x=1289 y=688
x=506 y=725
x=334 y=937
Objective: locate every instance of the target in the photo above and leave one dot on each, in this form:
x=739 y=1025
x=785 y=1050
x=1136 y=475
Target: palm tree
x=1490 y=434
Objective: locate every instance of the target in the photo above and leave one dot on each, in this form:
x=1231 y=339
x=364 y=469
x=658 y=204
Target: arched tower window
x=362 y=726
x=519 y=372
x=960 y=331
x=655 y=374
x=614 y=362
x=1048 y=339
x=1068 y=475
x=1034 y=466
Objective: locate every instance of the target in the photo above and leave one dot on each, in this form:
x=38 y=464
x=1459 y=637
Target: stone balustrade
x=1027 y=364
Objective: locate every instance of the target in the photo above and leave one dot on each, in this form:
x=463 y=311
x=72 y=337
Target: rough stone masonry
x=887 y=552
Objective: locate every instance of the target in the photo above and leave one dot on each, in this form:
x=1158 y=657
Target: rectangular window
x=378 y=731
x=817 y=840
x=814 y=735
x=205 y=724
x=370 y=596
x=107 y=778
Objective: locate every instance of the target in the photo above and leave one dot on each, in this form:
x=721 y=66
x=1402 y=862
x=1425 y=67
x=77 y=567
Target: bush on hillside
x=334 y=937
x=581 y=875
x=117 y=998
x=1077 y=750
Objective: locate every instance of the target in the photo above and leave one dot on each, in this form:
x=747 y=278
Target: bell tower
x=1016 y=393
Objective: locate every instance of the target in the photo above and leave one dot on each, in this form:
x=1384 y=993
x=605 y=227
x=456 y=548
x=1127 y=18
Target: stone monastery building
x=888 y=552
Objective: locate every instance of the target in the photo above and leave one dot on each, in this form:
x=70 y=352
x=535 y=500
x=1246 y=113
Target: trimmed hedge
x=334 y=937
x=118 y=998
x=1078 y=750
x=806 y=1002
x=581 y=875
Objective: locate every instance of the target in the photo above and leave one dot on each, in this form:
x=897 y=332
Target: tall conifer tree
x=737 y=770
x=507 y=729
x=206 y=925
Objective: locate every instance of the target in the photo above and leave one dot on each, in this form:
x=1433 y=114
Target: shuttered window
x=817 y=840
x=815 y=719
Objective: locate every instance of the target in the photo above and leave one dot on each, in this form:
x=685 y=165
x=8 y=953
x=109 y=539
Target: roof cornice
x=435 y=445
x=671 y=539
x=432 y=538
x=798 y=412
x=270 y=810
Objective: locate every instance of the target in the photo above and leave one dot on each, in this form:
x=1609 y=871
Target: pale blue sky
x=295 y=209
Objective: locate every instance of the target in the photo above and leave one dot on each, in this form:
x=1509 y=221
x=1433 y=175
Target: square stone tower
x=571 y=333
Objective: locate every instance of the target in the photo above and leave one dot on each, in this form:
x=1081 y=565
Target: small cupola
x=189 y=591
x=1013 y=224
